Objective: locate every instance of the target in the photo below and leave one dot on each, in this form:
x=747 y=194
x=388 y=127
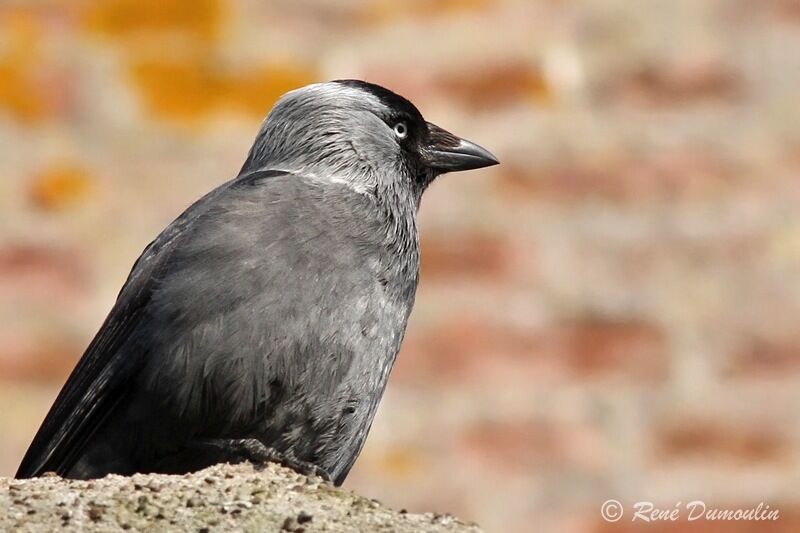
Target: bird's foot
x=254 y=451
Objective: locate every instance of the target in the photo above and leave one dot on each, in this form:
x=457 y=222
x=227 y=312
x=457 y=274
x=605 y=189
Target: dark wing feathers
x=97 y=384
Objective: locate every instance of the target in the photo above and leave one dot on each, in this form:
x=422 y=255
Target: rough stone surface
x=220 y=498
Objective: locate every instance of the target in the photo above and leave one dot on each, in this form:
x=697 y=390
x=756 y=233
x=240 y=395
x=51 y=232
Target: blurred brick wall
x=614 y=312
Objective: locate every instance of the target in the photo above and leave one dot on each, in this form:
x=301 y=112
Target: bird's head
x=362 y=134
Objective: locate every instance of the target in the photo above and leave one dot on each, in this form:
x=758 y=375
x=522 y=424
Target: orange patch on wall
x=23 y=94
x=19 y=95
x=59 y=186
x=400 y=462
x=256 y=92
x=131 y=18
x=191 y=88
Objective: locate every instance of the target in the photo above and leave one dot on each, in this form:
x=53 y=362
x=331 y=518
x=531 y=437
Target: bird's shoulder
x=273 y=220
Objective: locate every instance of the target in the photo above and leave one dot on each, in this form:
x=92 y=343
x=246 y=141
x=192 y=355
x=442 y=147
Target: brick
x=458 y=350
x=685 y=82
x=597 y=347
x=759 y=358
x=468 y=349
x=468 y=256
x=495 y=85
x=32 y=356
x=665 y=176
x=518 y=445
x=39 y=270
x=781 y=11
x=713 y=440
x=512 y=445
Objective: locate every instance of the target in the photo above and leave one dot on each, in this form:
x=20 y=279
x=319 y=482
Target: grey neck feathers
x=329 y=134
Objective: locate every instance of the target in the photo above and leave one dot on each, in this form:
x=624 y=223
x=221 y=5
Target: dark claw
x=254 y=451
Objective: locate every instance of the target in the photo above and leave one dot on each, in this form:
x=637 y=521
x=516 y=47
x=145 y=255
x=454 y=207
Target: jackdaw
x=262 y=324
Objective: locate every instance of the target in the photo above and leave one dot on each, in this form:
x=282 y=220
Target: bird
x=262 y=324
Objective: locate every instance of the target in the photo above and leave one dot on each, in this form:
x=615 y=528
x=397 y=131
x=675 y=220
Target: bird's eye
x=401 y=130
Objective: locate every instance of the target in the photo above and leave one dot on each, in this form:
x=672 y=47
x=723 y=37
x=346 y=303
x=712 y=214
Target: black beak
x=447 y=153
